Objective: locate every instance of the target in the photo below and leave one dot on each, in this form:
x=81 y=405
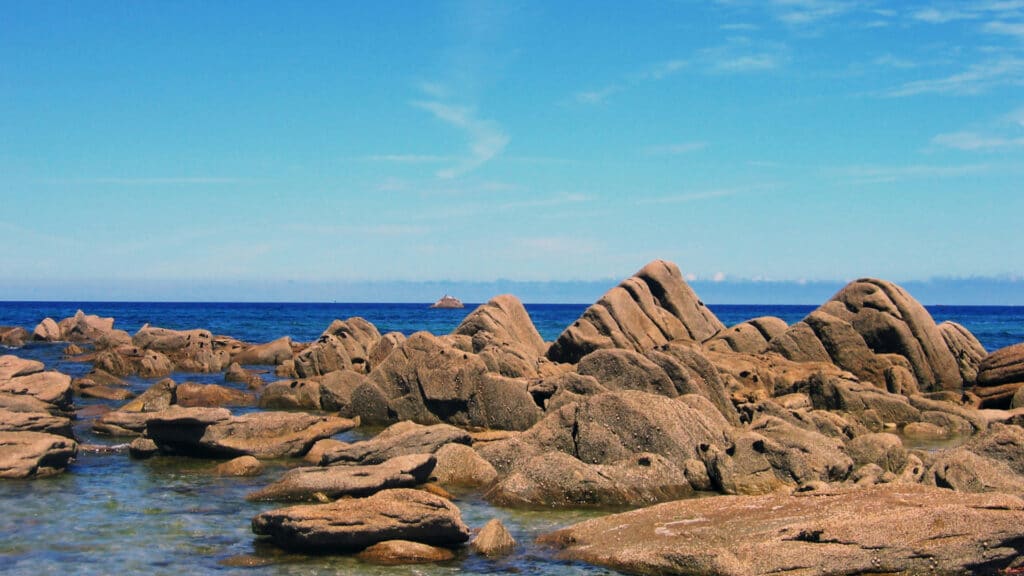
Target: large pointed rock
x=869 y=327
x=649 y=309
x=503 y=321
x=905 y=529
x=357 y=338
x=353 y=524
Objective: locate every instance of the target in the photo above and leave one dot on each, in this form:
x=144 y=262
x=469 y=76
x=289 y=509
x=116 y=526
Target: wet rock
x=271 y=353
x=460 y=465
x=493 y=540
x=397 y=440
x=142 y=448
x=401 y=552
x=191 y=394
x=966 y=349
x=925 y=431
x=300 y=484
x=647 y=310
x=213 y=432
x=353 y=524
x=34 y=454
x=882 y=529
x=241 y=466
x=11 y=421
x=14 y=336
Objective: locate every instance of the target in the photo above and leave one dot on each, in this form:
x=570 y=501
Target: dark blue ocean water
x=168 y=515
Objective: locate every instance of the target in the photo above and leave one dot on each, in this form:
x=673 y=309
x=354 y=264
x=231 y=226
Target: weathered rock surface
x=965 y=471
x=966 y=349
x=869 y=326
x=160 y=396
x=1004 y=366
x=300 y=484
x=189 y=350
x=750 y=337
x=649 y=309
x=14 y=336
x=214 y=432
x=11 y=421
x=127 y=360
x=881 y=529
x=428 y=380
x=271 y=353
x=192 y=394
x=627 y=370
x=241 y=466
x=615 y=426
x=460 y=465
x=47 y=331
x=493 y=540
x=401 y=552
x=397 y=440
x=504 y=336
x=353 y=524
x=34 y=454
x=357 y=337
x=235 y=373
x=556 y=480
x=24 y=378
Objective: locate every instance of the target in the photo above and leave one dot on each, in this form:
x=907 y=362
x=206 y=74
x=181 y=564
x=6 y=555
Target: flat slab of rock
x=397 y=440
x=301 y=484
x=11 y=421
x=34 y=454
x=214 y=432
x=882 y=529
x=353 y=524
x=50 y=387
x=12 y=367
x=399 y=552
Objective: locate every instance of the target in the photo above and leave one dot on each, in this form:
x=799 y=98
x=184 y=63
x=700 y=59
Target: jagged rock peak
x=651 y=308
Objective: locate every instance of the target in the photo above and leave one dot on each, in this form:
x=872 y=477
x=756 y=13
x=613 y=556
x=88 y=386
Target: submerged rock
x=882 y=529
x=401 y=552
x=353 y=524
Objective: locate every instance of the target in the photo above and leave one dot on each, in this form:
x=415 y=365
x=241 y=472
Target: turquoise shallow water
x=168 y=515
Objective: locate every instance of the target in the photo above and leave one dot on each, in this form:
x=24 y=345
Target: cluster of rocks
x=35 y=431
x=646 y=398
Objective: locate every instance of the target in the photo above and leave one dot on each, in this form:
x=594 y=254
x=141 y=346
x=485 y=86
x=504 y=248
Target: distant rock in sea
x=448 y=302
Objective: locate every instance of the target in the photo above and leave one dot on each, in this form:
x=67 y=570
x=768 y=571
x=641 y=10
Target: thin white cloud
x=665 y=69
x=486 y=138
x=741 y=55
x=803 y=12
x=406 y=158
x=559 y=200
x=686 y=197
x=597 y=96
x=942 y=16
x=675 y=149
x=892 y=61
x=158 y=181
x=1005 y=28
x=888 y=174
x=972 y=141
x=976 y=79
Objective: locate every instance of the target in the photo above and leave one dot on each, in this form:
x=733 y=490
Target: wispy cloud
x=597 y=96
x=741 y=55
x=975 y=141
x=942 y=16
x=1005 y=28
x=675 y=149
x=887 y=174
x=406 y=158
x=157 y=181
x=802 y=12
x=976 y=79
x=663 y=70
x=486 y=138
x=687 y=197
x=558 y=200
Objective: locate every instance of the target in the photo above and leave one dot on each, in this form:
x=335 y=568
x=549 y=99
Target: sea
x=169 y=515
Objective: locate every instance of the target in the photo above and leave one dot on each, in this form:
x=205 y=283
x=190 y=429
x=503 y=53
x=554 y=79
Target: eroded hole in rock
x=643 y=461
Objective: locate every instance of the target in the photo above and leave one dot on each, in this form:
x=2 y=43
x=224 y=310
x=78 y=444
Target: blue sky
x=266 y=149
